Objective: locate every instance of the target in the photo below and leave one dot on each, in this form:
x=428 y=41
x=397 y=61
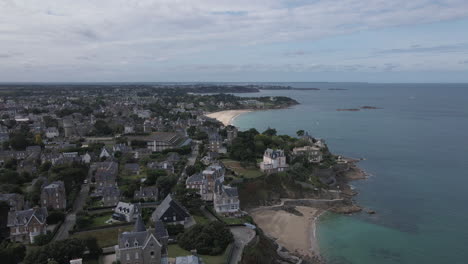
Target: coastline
x=293 y=228
x=227 y=116
x=292 y=223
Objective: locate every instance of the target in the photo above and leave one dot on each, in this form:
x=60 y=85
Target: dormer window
x=127 y=244
x=135 y=244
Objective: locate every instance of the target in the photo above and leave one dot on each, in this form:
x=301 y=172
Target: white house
x=52 y=132
x=273 y=161
x=126 y=212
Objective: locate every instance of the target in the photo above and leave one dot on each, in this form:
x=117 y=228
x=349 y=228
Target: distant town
x=139 y=174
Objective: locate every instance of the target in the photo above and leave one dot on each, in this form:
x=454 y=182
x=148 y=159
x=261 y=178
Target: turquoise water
x=416 y=151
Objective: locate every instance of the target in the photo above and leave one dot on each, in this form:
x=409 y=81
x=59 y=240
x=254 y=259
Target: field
x=247 y=172
x=105 y=237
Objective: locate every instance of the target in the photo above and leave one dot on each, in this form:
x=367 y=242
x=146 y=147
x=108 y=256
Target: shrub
x=208 y=239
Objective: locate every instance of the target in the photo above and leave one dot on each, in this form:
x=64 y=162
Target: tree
x=189 y=198
x=208 y=239
x=94 y=249
x=300 y=133
x=165 y=184
x=270 y=132
x=60 y=251
x=12 y=253
x=42 y=239
x=101 y=128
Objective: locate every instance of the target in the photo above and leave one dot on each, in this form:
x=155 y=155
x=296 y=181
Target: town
x=139 y=174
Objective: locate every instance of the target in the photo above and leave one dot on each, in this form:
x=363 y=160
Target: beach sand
x=228 y=116
x=295 y=233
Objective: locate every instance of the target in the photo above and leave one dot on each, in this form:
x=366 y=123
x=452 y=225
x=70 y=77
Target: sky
x=241 y=40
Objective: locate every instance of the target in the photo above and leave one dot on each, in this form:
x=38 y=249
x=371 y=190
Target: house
x=129 y=129
x=231 y=132
x=110 y=195
x=52 y=132
x=210 y=175
x=105 y=173
x=312 y=153
x=105 y=153
x=14 y=200
x=122 y=148
x=147 y=193
x=215 y=143
x=142 y=246
x=197 y=182
x=226 y=199
x=126 y=212
x=53 y=196
x=132 y=168
x=25 y=225
x=164 y=165
x=273 y=161
x=170 y=212
x=86 y=158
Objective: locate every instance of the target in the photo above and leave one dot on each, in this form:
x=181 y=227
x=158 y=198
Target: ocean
x=415 y=149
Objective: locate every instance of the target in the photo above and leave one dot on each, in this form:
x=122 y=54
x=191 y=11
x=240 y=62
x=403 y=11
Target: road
x=70 y=219
x=242 y=236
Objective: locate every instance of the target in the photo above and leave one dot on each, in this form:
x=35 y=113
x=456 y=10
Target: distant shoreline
x=227 y=117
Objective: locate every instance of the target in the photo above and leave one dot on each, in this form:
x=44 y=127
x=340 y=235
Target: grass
x=105 y=237
x=247 y=172
x=200 y=219
x=175 y=251
x=100 y=220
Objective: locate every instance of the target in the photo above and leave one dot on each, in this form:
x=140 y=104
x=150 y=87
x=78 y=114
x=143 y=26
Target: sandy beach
x=228 y=116
x=295 y=233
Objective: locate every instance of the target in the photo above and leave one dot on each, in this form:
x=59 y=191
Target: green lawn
x=176 y=251
x=105 y=237
x=247 y=172
x=100 y=220
x=200 y=219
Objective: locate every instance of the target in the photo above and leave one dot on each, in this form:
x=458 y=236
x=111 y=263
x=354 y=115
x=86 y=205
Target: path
x=70 y=219
x=242 y=236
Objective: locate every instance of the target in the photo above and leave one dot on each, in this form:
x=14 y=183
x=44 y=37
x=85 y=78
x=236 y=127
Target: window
x=128 y=256
x=135 y=244
x=136 y=255
x=152 y=254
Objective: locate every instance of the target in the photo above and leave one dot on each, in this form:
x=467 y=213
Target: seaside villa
x=273 y=161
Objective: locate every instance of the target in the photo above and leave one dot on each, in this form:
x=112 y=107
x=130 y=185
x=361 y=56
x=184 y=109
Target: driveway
x=70 y=219
x=242 y=236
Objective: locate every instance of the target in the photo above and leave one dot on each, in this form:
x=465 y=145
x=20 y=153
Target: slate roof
x=197 y=177
x=160 y=230
x=167 y=203
x=20 y=218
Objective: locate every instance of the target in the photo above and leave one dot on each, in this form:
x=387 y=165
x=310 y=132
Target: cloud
x=460 y=47
x=62 y=34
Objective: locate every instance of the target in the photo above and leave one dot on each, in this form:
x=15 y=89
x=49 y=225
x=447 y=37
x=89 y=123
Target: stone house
x=142 y=246
x=25 y=225
x=226 y=199
x=312 y=153
x=110 y=195
x=52 y=132
x=105 y=174
x=53 y=196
